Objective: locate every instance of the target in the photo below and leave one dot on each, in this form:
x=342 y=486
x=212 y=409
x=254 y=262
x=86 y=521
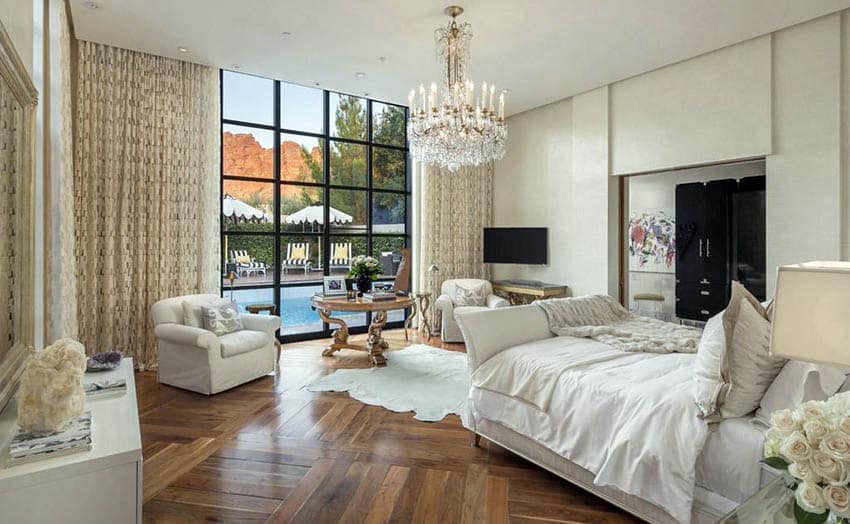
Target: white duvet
x=629 y=418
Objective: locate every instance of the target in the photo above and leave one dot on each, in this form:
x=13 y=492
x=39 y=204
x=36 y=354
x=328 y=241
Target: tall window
x=310 y=179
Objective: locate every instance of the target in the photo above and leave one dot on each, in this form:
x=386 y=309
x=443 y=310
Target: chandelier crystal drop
x=455 y=125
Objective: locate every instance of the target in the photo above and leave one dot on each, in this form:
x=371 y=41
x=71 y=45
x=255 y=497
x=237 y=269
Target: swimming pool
x=297 y=316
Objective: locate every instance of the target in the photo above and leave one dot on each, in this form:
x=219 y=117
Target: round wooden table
x=375 y=343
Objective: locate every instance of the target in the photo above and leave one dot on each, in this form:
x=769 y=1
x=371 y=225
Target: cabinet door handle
x=700 y=248
x=706 y=293
x=707 y=248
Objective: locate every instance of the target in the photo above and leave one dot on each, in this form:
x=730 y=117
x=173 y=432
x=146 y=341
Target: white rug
x=430 y=381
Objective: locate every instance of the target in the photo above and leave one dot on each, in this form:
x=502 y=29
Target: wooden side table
x=256 y=309
x=424 y=301
x=527 y=291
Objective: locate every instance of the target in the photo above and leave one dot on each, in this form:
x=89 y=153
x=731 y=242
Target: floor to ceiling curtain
x=145 y=192
x=453 y=210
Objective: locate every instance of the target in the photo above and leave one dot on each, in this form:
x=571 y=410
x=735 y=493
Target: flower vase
x=364 y=284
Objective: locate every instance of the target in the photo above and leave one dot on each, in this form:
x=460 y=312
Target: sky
x=251 y=99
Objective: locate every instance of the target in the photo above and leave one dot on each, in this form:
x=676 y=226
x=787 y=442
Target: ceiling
x=540 y=50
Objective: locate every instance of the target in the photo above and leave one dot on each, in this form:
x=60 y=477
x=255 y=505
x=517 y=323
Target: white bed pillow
x=734 y=368
x=799 y=382
x=192 y=314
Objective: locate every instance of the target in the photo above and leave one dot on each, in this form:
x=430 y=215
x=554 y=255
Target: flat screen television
x=515 y=245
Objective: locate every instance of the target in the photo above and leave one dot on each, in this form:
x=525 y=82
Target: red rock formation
x=244 y=156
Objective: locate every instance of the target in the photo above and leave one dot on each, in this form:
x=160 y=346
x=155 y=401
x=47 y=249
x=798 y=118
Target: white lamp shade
x=811 y=316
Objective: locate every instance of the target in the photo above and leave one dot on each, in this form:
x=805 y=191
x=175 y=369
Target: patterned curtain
x=455 y=208
x=145 y=191
x=62 y=267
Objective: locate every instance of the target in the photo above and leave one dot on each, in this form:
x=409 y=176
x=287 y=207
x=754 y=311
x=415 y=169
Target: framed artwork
x=652 y=242
x=334 y=285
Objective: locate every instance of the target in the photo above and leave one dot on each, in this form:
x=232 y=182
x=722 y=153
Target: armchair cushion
x=242 y=341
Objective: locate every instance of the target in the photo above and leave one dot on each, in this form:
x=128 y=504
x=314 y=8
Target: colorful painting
x=652 y=242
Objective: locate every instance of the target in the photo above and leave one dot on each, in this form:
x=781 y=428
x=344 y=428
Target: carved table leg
x=340 y=336
x=376 y=343
x=424 y=305
x=408 y=319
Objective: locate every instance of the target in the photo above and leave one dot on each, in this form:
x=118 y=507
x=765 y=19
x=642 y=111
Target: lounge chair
x=245 y=264
x=340 y=256
x=297 y=257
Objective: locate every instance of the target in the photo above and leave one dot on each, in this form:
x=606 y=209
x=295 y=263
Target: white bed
x=624 y=425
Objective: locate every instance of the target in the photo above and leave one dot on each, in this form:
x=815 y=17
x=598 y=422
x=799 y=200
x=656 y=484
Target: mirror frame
x=15 y=77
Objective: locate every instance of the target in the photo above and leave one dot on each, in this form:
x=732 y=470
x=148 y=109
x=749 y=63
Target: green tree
x=348 y=161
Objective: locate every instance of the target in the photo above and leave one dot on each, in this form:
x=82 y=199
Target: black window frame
x=326 y=236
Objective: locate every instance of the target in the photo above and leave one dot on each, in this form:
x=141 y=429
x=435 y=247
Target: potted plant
x=812 y=445
x=364 y=270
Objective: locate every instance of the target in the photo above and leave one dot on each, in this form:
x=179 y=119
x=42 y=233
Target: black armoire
x=720 y=237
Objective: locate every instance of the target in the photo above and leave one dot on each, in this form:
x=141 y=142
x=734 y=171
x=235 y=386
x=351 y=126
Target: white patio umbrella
x=315 y=214
x=239 y=211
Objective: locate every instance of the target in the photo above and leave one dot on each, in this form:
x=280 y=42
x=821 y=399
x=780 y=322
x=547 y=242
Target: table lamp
x=811 y=313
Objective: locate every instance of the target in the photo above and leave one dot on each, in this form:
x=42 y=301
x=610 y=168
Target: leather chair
x=190 y=357
x=450 y=331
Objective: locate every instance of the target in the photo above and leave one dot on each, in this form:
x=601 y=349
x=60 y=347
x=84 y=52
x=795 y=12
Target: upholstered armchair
x=447 y=303
x=193 y=358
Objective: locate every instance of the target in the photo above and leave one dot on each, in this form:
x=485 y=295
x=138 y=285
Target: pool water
x=297 y=315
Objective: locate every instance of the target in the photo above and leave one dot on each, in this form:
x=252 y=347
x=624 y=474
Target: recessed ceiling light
x=236 y=67
x=285 y=34
x=92 y=5
x=183 y=49
x=366 y=94
x=359 y=74
x=382 y=59
x=317 y=83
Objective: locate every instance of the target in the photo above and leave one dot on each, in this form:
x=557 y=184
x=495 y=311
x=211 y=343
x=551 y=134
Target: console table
x=527 y=291
x=100 y=485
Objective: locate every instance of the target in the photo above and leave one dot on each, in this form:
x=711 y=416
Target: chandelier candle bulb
x=492 y=92
x=502 y=105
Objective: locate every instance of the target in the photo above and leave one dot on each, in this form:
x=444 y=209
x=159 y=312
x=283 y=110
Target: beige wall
x=711 y=108
x=17 y=16
x=782 y=96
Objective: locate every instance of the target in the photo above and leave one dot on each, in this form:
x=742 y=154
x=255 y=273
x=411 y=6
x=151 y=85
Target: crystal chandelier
x=454 y=126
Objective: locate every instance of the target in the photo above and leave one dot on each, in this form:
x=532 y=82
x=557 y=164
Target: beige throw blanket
x=601 y=318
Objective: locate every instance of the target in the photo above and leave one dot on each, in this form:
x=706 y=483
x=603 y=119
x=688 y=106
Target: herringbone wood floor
x=270 y=451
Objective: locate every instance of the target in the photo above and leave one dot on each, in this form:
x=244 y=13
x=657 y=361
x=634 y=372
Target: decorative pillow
x=734 y=368
x=586 y=310
x=223 y=319
x=474 y=296
x=192 y=314
x=799 y=382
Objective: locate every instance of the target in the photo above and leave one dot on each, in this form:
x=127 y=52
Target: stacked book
x=377 y=296
x=105 y=388
x=29 y=447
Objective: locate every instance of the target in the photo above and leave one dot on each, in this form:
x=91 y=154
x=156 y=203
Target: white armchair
x=190 y=357
x=450 y=332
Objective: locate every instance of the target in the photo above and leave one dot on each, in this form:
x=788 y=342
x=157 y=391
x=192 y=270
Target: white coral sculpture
x=51 y=391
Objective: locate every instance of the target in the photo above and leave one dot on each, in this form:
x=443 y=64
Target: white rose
x=838 y=500
x=803 y=471
x=784 y=422
x=810 y=497
x=836 y=445
x=816 y=429
x=812 y=409
x=844 y=425
x=830 y=470
x=771 y=447
x=795 y=448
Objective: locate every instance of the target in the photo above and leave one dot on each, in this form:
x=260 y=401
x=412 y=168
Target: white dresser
x=103 y=485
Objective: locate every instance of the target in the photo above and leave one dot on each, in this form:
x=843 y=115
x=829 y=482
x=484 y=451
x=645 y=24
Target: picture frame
x=334 y=286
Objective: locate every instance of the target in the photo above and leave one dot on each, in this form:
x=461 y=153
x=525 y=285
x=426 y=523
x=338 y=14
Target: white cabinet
x=103 y=485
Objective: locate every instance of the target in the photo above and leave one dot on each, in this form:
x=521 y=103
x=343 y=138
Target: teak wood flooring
x=269 y=451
